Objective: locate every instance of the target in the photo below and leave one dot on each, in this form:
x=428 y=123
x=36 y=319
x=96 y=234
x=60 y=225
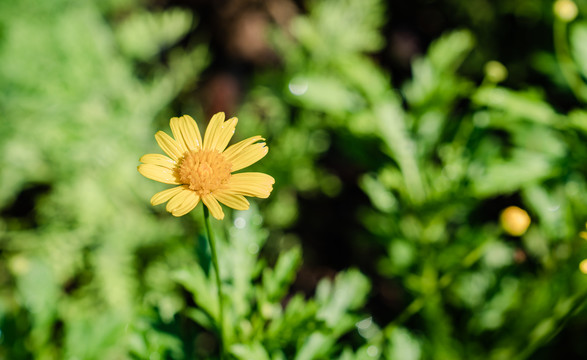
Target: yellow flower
x=204 y=169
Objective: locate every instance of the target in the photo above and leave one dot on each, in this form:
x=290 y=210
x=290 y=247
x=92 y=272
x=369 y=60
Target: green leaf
x=578 y=39
x=380 y=197
x=144 y=34
x=204 y=293
x=391 y=121
x=348 y=293
x=517 y=104
x=323 y=93
x=506 y=176
x=448 y=52
x=297 y=320
x=315 y=346
x=277 y=281
x=435 y=83
x=337 y=27
x=91 y=336
x=552 y=208
x=365 y=75
x=403 y=345
x=249 y=351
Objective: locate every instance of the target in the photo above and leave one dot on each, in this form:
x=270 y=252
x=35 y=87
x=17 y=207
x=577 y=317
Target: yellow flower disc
x=204 y=171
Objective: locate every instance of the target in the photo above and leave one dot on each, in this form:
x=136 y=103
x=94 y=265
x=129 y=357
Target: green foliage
x=423 y=168
x=76 y=118
x=434 y=198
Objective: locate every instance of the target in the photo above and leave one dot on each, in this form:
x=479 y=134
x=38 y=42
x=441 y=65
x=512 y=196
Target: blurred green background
x=398 y=132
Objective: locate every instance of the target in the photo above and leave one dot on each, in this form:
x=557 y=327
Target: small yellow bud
x=583 y=266
x=566 y=10
x=515 y=221
x=495 y=71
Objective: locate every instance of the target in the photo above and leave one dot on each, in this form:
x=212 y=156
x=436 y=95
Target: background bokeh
x=399 y=132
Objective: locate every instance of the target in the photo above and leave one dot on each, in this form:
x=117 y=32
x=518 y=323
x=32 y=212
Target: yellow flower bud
x=566 y=10
x=495 y=71
x=515 y=221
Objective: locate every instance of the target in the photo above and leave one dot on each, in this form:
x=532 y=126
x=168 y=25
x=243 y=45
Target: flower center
x=204 y=171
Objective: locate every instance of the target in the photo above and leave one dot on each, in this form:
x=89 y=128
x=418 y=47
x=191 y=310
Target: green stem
x=212 y=242
x=566 y=63
x=560 y=321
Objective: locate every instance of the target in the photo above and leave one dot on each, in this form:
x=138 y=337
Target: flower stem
x=212 y=242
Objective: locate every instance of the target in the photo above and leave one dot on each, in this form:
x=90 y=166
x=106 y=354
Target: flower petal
x=248 y=156
x=213 y=205
x=174 y=124
x=178 y=199
x=212 y=129
x=236 y=148
x=158 y=173
x=250 y=184
x=224 y=134
x=190 y=132
x=191 y=200
x=165 y=195
x=158 y=159
x=237 y=202
x=170 y=146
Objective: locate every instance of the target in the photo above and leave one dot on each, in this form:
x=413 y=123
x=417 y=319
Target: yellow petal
x=170 y=146
x=248 y=156
x=250 y=184
x=236 y=148
x=158 y=159
x=191 y=133
x=189 y=203
x=158 y=173
x=213 y=205
x=224 y=134
x=178 y=135
x=237 y=202
x=178 y=199
x=165 y=195
x=212 y=129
